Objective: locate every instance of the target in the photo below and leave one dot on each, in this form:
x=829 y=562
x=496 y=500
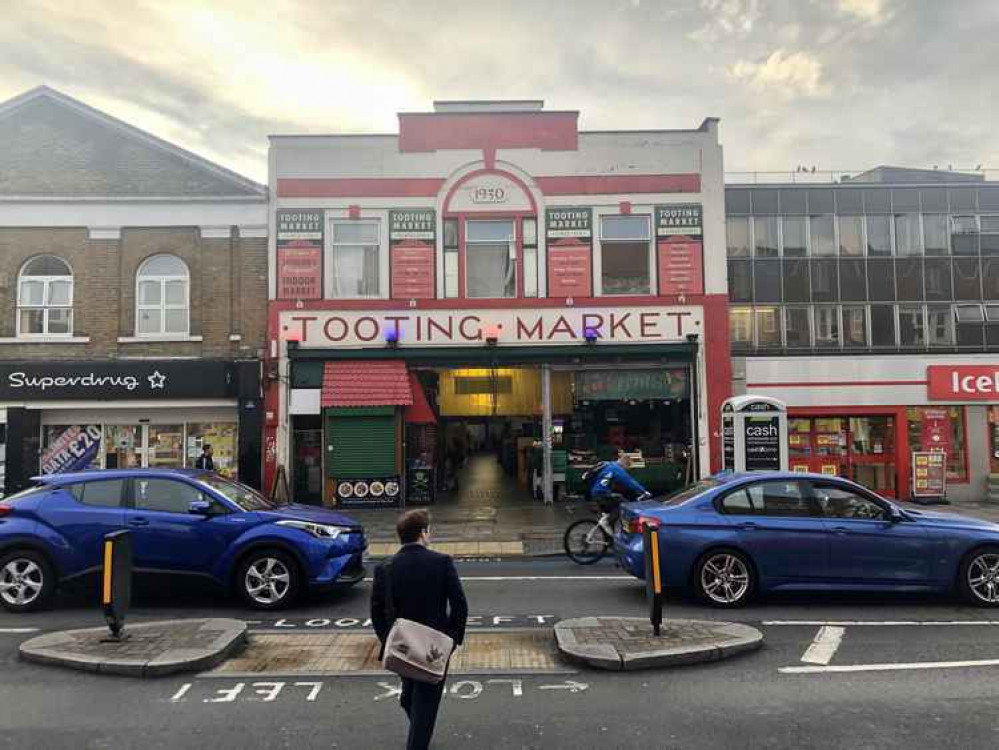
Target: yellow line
x=655 y=563
x=108 y=553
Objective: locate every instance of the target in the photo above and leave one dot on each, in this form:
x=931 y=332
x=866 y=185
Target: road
x=857 y=672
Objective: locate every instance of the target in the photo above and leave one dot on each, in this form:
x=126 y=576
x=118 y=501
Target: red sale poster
x=569 y=269
x=681 y=268
x=412 y=270
x=936 y=431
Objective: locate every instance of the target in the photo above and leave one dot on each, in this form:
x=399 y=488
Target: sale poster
x=681 y=268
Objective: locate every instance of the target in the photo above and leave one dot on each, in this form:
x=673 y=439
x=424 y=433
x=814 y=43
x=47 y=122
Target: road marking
x=540 y=578
x=17 y=631
x=824 y=646
x=571 y=685
x=889 y=667
x=884 y=623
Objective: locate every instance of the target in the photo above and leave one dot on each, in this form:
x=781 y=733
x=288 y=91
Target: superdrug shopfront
x=71 y=416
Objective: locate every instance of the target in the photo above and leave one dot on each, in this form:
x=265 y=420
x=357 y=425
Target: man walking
x=205 y=460
x=425 y=588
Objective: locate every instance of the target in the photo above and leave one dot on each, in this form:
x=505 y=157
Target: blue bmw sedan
x=182 y=522
x=734 y=535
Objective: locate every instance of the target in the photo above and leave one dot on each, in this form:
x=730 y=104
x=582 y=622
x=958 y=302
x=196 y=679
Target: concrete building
x=131 y=276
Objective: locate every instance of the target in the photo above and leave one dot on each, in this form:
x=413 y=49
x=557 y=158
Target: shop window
x=851 y=235
x=162 y=297
x=797 y=327
x=165 y=446
x=797 y=281
x=799 y=438
x=872 y=453
x=45 y=298
x=936 y=277
x=825 y=280
x=737 y=236
x=967 y=278
x=451 y=258
x=356 y=258
x=741 y=326
x=909 y=278
x=765 y=237
x=936 y=234
x=222 y=437
x=881 y=280
x=940 y=429
x=883 y=326
x=911 y=326
x=740 y=281
x=822 y=235
x=625 y=255
x=794 y=234
x=530 y=232
x=853 y=279
x=766 y=280
x=827 y=326
x=939 y=325
x=768 y=327
x=855 y=326
x=490 y=259
x=878 y=236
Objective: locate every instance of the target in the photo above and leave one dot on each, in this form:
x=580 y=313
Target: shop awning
x=350 y=383
x=419 y=412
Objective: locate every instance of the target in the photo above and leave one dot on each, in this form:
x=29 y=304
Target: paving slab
x=628 y=643
x=152 y=649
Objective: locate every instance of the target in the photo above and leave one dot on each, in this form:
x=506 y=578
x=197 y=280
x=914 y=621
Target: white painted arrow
x=571 y=685
x=390 y=691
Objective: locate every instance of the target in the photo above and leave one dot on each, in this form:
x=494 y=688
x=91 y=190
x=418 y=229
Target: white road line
x=541 y=578
x=17 y=631
x=884 y=623
x=823 y=648
x=889 y=667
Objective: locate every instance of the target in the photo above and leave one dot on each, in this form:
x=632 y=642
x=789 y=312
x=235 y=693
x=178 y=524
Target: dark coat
x=205 y=462
x=426 y=589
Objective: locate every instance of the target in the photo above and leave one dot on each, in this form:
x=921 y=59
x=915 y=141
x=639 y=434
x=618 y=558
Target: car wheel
x=27 y=581
x=979 y=577
x=724 y=578
x=268 y=579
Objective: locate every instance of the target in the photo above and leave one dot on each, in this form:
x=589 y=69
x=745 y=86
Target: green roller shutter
x=361 y=445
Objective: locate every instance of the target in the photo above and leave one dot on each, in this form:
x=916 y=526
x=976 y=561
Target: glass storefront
x=940 y=428
x=861 y=448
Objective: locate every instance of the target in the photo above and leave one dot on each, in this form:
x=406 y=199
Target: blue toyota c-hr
x=181 y=522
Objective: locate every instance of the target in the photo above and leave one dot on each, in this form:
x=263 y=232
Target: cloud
x=726 y=18
x=868 y=11
x=784 y=74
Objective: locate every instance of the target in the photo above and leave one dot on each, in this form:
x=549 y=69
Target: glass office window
x=883 y=325
x=909 y=278
x=988 y=198
x=768 y=327
x=878 y=236
x=908 y=238
x=736 y=202
x=851 y=235
x=793 y=202
x=936 y=277
x=822 y=235
x=766 y=281
x=764 y=201
x=911 y=326
x=740 y=280
x=940 y=325
x=963 y=199
x=737 y=236
x=877 y=201
x=967 y=278
x=821 y=201
x=881 y=279
x=990 y=278
x=740 y=327
x=826 y=326
x=855 y=326
x=849 y=201
x=797 y=327
x=936 y=234
x=905 y=199
x=853 y=279
x=765 y=236
x=797 y=283
x=933 y=199
x=825 y=281
x=795 y=236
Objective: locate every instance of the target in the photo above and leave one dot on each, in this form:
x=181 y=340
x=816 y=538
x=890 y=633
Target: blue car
x=734 y=535
x=182 y=522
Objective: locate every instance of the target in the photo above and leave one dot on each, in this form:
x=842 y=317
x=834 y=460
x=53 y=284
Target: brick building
x=131 y=273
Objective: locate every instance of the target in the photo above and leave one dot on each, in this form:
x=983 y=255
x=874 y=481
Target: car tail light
x=5 y=510
x=636 y=525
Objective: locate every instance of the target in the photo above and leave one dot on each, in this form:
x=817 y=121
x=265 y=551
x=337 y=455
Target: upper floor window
x=162 y=297
x=356 y=259
x=625 y=255
x=491 y=259
x=45 y=298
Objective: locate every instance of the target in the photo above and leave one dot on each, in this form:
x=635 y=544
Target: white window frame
x=511 y=250
x=380 y=220
x=977 y=310
x=644 y=212
x=838 y=319
x=162 y=307
x=784 y=316
x=46 y=282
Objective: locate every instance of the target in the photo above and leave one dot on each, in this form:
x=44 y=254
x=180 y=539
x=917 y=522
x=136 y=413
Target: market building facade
x=130 y=334
x=491 y=279
x=871 y=307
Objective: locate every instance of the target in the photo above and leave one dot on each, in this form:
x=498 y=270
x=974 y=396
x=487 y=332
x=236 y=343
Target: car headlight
x=318 y=530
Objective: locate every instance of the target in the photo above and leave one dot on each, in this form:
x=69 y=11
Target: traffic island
x=628 y=643
x=152 y=649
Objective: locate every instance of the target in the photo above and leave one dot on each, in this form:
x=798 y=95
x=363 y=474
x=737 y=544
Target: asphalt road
x=856 y=672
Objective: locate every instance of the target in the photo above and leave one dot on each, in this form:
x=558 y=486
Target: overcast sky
x=838 y=84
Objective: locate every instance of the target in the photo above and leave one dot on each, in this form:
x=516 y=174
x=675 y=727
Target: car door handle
x=138 y=522
x=839 y=529
x=748 y=526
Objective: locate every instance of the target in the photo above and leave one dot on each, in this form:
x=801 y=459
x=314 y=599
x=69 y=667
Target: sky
x=841 y=85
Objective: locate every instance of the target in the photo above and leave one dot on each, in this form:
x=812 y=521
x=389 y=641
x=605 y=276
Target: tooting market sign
x=619 y=325
x=105 y=381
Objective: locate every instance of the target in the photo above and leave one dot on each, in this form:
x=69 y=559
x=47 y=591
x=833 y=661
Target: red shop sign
x=963 y=382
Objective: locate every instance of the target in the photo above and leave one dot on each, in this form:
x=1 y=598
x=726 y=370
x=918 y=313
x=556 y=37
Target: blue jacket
x=612 y=478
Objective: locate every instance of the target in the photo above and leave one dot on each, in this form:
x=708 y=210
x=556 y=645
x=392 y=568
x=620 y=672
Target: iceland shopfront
x=71 y=416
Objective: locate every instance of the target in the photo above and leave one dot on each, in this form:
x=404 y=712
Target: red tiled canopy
x=366 y=383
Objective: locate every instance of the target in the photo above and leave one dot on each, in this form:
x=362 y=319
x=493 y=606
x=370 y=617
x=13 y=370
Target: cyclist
x=610 y=479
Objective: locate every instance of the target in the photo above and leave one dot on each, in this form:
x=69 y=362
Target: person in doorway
x=426 y=589
x=205 y=460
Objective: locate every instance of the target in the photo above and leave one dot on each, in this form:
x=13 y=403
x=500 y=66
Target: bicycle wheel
x=586 y=542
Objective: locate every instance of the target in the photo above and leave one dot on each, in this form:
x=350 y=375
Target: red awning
x=366 y=383
x=419 y=412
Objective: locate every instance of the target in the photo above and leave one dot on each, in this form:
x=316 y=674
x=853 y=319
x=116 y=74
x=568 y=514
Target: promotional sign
x=626 y=385
x=383 y=492
x=680 y=220
x=412 y=239
x=963 y=382
x=929 y=474
x=300 y=254
x=936 y=431
x=548 y=326
x=107 y=381
x=681 y=268
x=763 y=452
x=569 y=235
x=71 y=448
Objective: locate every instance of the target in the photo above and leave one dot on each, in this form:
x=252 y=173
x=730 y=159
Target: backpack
x=590 y=477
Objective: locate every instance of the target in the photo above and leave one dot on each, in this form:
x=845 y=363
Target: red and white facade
x=423 y=195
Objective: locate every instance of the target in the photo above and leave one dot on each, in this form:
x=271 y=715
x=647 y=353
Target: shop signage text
x=569 y=222
x=681 y=219
x=963 y=382
x=105 y=381
x=300 y=254
x=412 y=224
x=622 y=325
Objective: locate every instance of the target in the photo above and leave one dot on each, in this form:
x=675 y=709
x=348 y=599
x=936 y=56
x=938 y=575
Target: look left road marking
x=823 y=648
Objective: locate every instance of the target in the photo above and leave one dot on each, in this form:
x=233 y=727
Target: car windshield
x=246 y=498
x=688 y=493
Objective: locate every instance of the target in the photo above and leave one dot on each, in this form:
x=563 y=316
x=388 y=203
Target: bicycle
x=588 y=540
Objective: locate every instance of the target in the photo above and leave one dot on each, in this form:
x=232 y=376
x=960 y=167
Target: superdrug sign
x=111 y=381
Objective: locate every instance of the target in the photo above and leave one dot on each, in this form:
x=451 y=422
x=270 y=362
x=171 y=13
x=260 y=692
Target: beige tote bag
x=412 y=649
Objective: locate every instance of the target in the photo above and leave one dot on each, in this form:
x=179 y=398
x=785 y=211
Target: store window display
x=941 y=428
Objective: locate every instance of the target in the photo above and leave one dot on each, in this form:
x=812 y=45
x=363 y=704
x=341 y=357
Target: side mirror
x=895 y=515
x=200 y=508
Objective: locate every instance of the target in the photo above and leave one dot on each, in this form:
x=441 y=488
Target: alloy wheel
x=267 y=581
x=724 y=578
x=983 y=577
x=21 y=582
